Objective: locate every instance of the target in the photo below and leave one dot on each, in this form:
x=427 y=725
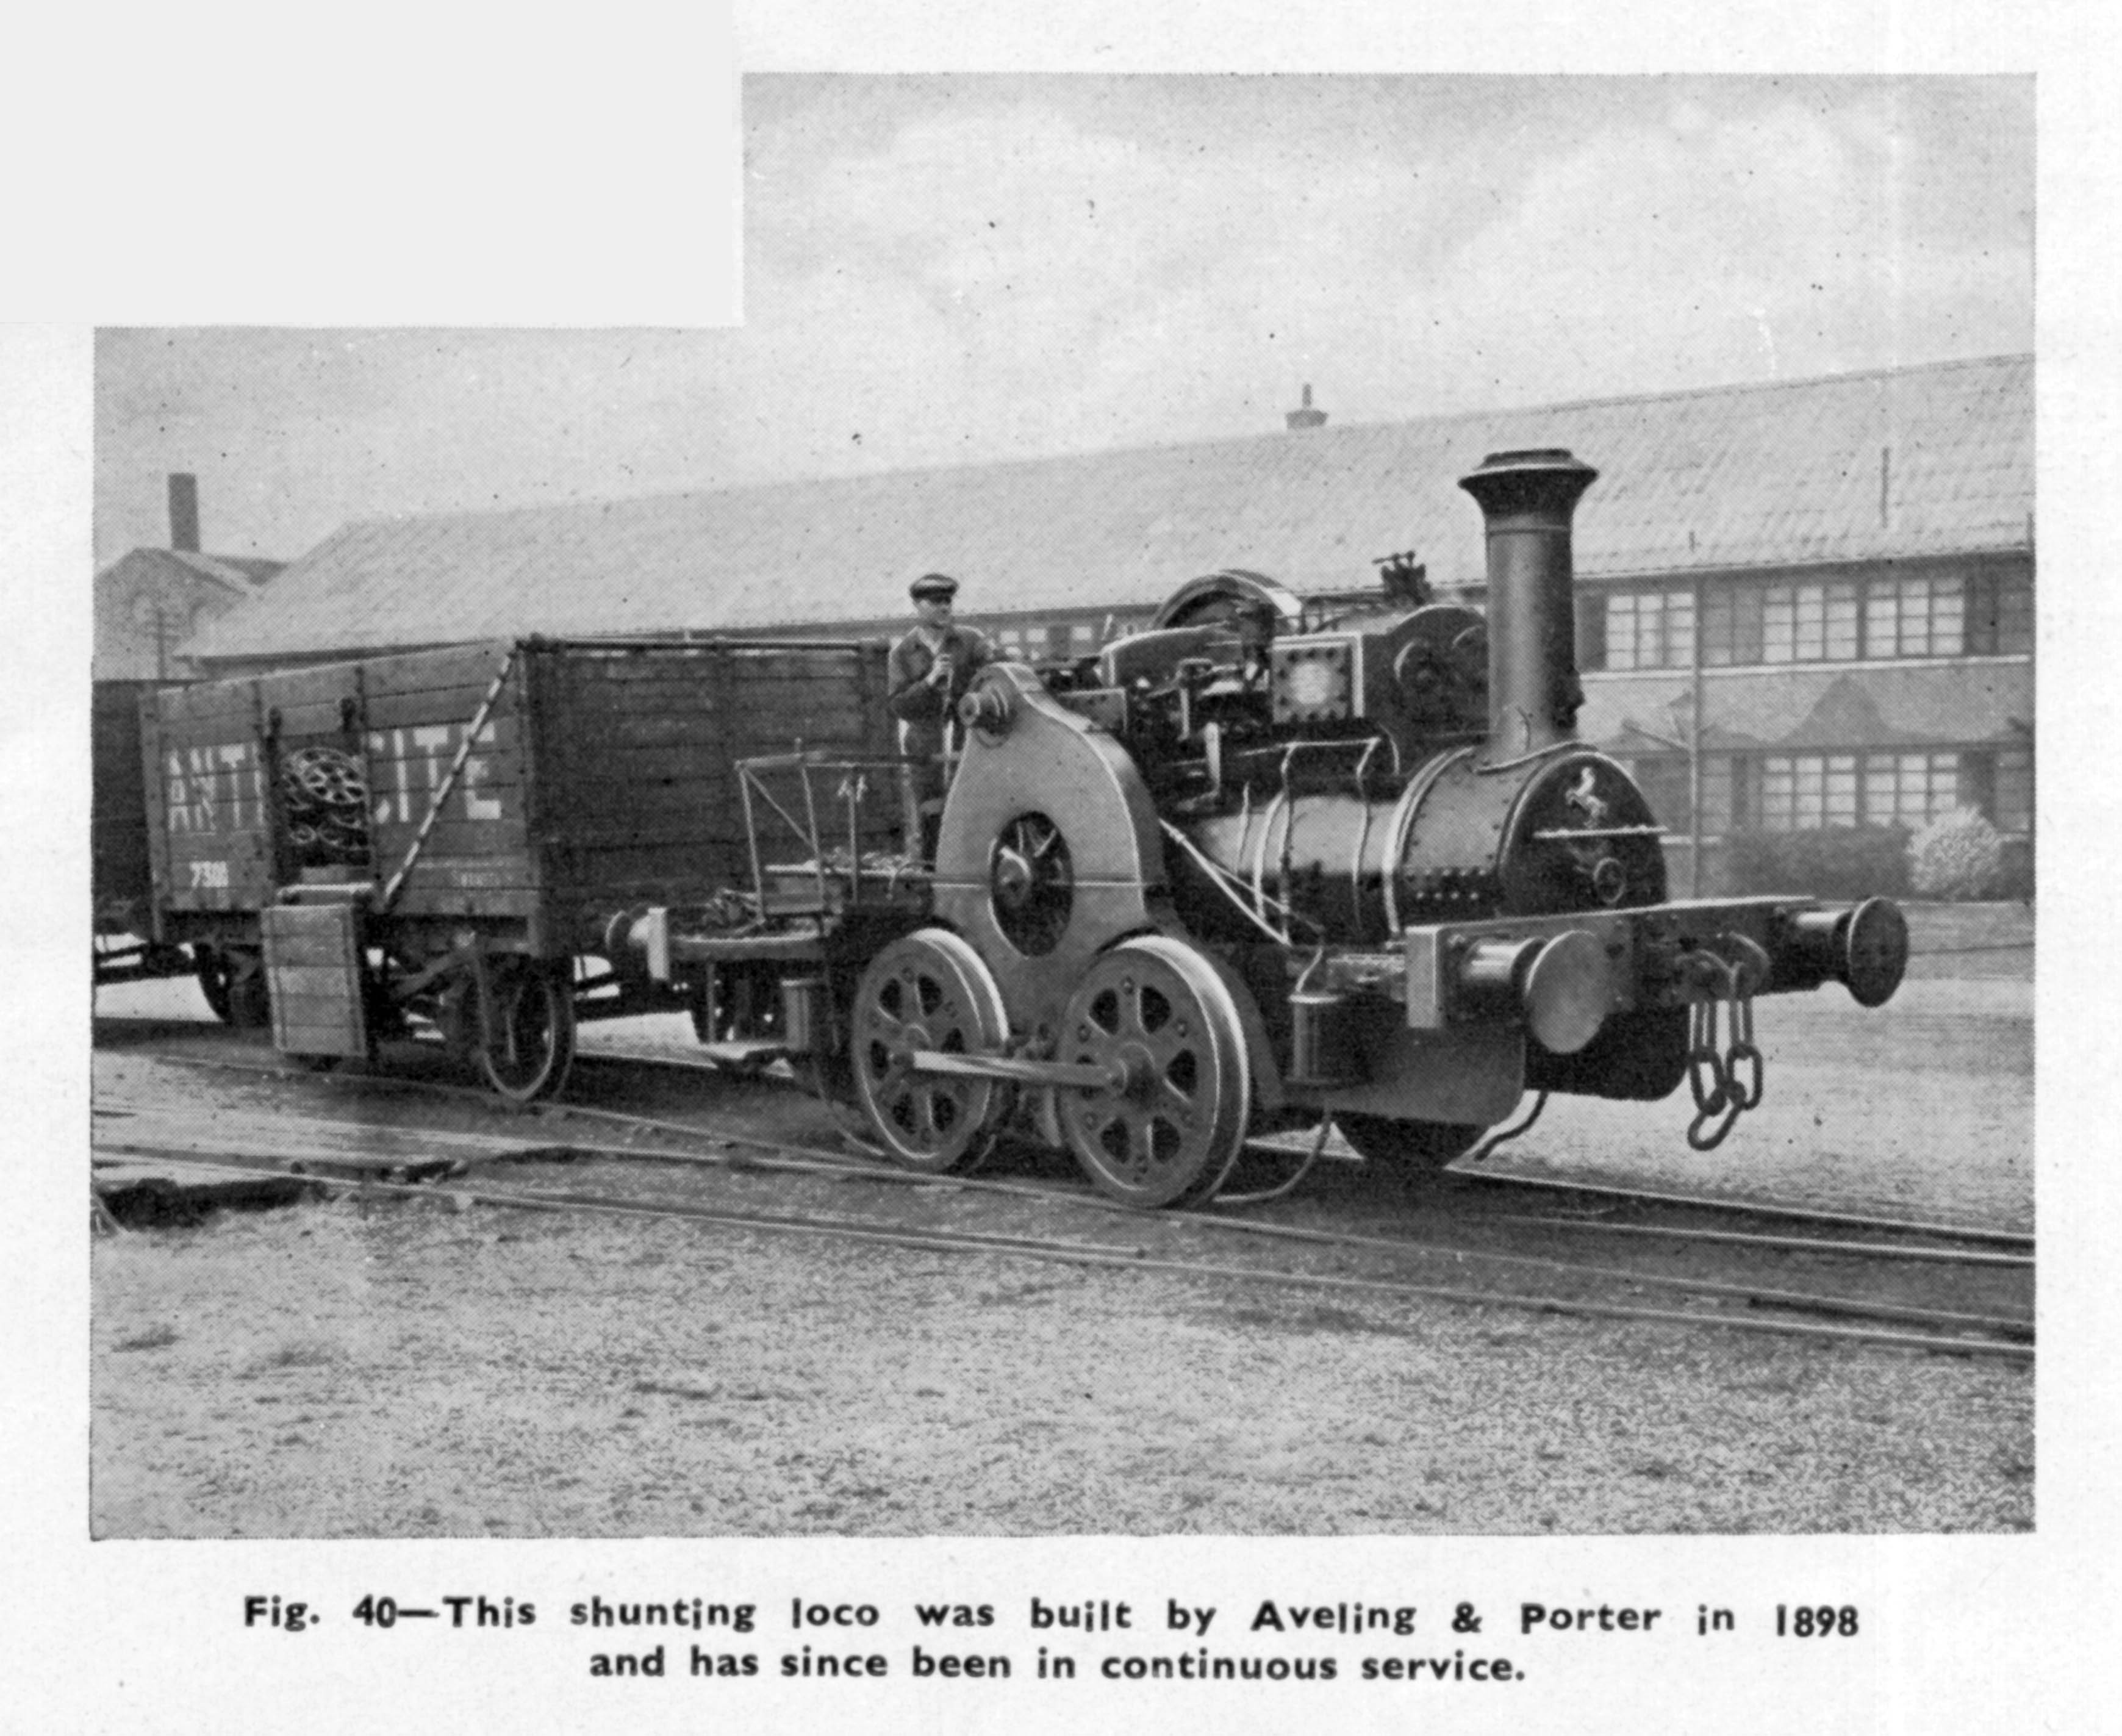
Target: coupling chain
x=1724 y=1084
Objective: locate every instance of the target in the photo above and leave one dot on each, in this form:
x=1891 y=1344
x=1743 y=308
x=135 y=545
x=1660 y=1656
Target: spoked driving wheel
x=526 y=1053
x=928 y=991
x=1169 y=1127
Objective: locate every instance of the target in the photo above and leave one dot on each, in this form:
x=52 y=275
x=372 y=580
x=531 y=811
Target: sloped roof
x=178 y=585
x=1798 y=707
x=244 y=571
x=1742 y=476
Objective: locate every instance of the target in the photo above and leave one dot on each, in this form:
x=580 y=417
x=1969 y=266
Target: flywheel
x=928 y=991
x=1170 y=1127
x=1031 y=879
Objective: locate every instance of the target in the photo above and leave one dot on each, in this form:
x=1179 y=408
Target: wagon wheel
x=212 y=971
x=527 y=1054
x=1170 y=1129
x=234 y=985
x=929 y=990
x=1416 y=1149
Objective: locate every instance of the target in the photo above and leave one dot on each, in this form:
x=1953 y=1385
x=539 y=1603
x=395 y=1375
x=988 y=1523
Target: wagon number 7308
x=209 y=874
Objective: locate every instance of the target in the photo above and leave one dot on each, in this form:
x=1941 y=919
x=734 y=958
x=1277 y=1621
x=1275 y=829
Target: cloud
x=1015 y=279
x=1771 y=244
x=961 y=270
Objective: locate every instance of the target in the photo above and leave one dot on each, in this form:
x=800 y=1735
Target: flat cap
x=939 y=585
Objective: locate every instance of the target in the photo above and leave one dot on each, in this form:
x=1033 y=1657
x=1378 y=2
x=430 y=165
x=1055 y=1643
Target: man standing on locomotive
x=930 y=670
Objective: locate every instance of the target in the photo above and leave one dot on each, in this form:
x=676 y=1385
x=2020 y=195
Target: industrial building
x=1803 y=606
x=149 y=602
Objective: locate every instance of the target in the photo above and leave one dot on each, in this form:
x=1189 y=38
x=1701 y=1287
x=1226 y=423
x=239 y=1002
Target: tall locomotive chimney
x=184 y=511
x=1533 y=695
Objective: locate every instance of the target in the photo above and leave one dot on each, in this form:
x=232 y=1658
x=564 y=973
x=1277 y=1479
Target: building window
x=1650 y=630
x=1731 y=791
x=1664 y=782
x=1805 y=792
x=1067 y=640
x=1916 y=617
x=2013 y=787
x=1909 y=789
x=1999 y=615
x=1731 y=794
x=2001 y=784
x=1732 y=625
x=1809 y=624
x=1980 y=614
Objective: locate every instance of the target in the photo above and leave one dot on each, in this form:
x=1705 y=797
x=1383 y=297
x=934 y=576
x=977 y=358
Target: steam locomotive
x=1233 y=872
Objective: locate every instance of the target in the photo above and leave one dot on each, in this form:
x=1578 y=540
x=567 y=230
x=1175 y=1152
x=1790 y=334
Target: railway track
x=1969 y=1298
x=1921 y=1239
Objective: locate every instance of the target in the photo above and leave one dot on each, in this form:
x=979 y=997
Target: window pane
x=1717 y=793
x=1716 y=628
x=2015 y=615
x=1810 y=608
x=1621 y=632
x=1841 y=807
x=1947 y=617
x=1980 y=632
x=1664 y=784
x=1731 y=631
x=1778 y=624
x=1678 y=630
x=1841 y=623
x=1776 y=794
x=1880 y=614
x=2013 y=787
x=1910 y=799
x=1879 y=784
x=1915 y=618
x=1805 y=801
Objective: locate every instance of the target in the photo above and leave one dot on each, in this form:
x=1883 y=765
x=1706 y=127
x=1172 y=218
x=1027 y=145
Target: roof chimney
x=184 y=512
x=1306 y=417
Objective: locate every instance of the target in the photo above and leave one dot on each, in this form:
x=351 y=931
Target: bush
x=1959 y=855
x=1837 y=861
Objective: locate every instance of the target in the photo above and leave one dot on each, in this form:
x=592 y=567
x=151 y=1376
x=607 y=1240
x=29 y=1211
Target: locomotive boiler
x=1234 y=873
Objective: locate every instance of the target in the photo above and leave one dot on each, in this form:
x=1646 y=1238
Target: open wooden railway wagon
x=121 y=877
x=456 y=838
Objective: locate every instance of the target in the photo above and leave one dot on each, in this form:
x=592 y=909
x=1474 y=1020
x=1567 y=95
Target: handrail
x=807 y=830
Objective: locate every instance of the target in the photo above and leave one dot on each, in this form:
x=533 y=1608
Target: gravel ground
x=409 y=1370
x=370 y=1369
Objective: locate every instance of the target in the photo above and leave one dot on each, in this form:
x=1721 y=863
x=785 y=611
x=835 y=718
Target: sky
x=947 y=270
